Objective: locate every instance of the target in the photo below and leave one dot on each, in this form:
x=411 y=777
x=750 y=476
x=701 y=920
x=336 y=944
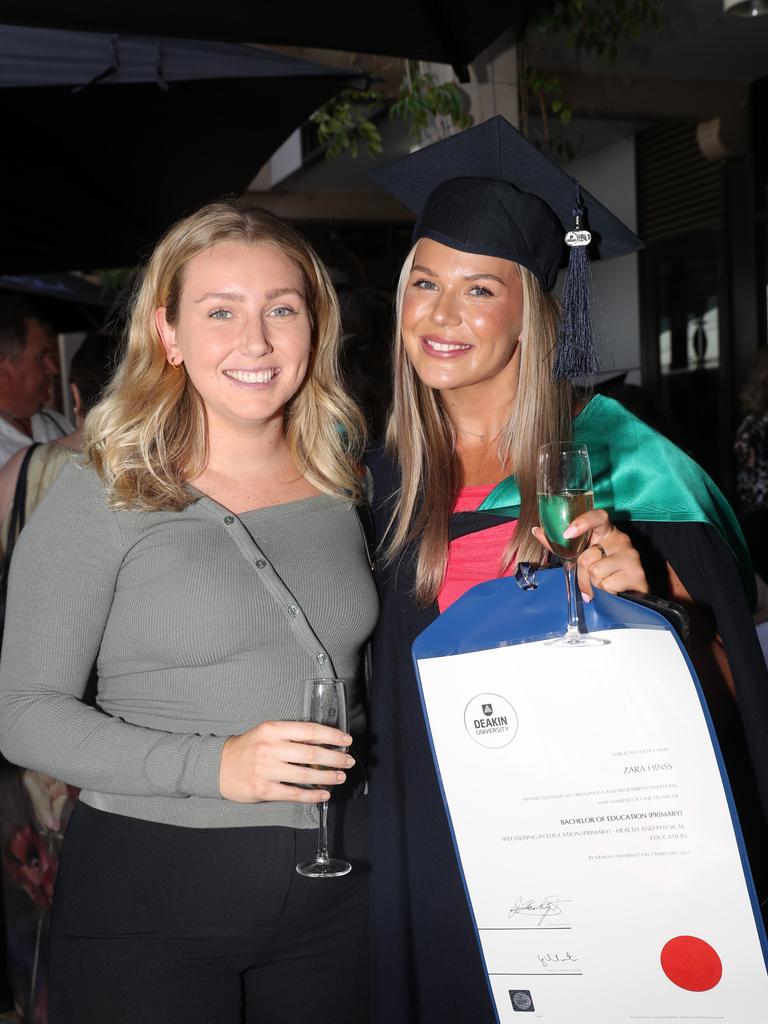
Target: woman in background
x=751 y=450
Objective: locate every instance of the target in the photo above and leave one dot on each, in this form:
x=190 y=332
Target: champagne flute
x=325 y=702
x=564 y=488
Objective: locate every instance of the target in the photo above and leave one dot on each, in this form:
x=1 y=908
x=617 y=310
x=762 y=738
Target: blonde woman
x=481 y=380
x=207 y=555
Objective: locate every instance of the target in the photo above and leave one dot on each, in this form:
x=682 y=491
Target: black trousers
x=156 y=924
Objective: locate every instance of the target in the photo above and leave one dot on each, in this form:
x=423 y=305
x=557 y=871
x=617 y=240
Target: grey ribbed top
x=202 y=623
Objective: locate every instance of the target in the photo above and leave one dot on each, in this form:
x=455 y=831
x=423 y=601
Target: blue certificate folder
x=500 y=613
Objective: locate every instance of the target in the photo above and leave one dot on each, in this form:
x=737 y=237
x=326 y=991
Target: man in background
x=28 y=365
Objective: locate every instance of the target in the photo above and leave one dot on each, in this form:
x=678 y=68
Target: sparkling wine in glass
x=564 y=489
x=325 y=702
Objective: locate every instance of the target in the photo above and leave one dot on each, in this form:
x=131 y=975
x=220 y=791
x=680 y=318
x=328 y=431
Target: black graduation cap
x=488 y=190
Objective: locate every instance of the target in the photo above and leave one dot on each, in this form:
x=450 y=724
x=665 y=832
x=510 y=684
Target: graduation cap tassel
x=576 y=356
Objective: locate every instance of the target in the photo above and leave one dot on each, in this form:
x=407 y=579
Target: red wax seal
x=691 y=963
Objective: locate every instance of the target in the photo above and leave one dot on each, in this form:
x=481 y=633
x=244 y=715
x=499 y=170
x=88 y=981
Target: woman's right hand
x=270 y=762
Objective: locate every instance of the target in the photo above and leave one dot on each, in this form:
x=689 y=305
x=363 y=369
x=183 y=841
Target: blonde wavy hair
x=422 y=439
x=148 y=435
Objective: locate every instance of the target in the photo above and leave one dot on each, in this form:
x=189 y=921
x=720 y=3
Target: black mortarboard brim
x=488 y=190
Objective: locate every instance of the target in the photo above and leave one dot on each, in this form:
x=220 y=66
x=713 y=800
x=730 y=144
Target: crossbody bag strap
x=15 y=524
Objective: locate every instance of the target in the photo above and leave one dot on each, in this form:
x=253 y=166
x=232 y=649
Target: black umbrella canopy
x=110 y=139
x=450 y=31
x=68 y=302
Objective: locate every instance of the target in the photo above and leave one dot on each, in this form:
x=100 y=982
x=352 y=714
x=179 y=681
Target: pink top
x=476 y=557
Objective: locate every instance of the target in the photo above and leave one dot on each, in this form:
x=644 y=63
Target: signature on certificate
x=543 y=909
x=556 y=959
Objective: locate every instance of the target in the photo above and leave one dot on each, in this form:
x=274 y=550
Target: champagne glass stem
x=569 y=566
x=324 y=702
x=322 y=834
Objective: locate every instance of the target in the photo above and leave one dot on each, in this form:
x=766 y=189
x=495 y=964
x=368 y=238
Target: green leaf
x=590 y=27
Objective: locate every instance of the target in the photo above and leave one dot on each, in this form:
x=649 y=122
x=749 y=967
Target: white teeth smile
x=442 y=346
x=252 y=376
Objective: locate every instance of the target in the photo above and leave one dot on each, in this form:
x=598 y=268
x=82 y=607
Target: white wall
x=609 y=174
x=286 y=159
x=493 y=89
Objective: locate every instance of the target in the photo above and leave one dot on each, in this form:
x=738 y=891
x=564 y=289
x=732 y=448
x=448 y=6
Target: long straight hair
x=149 y=434
x=422 y=438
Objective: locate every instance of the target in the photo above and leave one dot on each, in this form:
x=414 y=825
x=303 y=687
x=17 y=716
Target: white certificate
x=599 y=853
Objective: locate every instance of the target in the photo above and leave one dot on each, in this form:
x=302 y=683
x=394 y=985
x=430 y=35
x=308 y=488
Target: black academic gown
x=427 y=966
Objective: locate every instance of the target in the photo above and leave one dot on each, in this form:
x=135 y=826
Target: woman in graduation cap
x=481 y=381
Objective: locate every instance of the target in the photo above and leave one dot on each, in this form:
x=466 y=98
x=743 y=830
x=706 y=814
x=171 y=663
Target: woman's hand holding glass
x=274 y=760
x=610 y=562
x=325 y=700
